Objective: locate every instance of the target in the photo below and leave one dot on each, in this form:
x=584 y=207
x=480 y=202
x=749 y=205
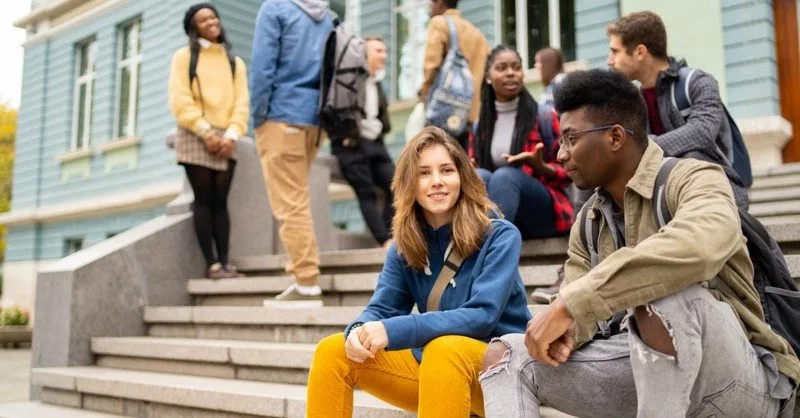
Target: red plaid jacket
x=557 y=186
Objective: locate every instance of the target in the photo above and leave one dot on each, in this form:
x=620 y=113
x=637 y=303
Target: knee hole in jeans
x=496 y=357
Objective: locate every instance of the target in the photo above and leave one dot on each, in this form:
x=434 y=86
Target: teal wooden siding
x=376 y=20
x=162 y=34
x=239 y=18
x=45 y=118
x=21 y=243
x=750 y=60
x=591 y=19
x=27 y=158
x=481 y=14
x=46 y=242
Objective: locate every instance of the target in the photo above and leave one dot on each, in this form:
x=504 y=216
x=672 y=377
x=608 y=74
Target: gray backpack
x=342 y=79
x=450 y=100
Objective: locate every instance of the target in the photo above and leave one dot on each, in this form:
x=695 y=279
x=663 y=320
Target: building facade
x=90 y=153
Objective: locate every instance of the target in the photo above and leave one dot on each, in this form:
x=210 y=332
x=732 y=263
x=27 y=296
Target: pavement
x=15 y=368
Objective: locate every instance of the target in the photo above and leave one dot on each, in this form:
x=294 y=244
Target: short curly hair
x=608 y=97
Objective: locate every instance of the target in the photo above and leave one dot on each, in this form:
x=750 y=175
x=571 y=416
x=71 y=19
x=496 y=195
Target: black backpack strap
x=590 y=230
x=680 y=92
x=194 y=55
x=661 y=208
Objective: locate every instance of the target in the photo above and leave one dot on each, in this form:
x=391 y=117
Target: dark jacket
x=383 y=116
x=706 y=133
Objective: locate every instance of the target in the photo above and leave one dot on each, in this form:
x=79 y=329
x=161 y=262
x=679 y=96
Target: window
x=410 y=20
x=530 y=25
x=72 y=245
x=82 y=103
x=129 y=60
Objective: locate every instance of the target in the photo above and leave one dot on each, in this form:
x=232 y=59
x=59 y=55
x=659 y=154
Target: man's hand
x=373 y=336
x=550 y=335
x=354 y=348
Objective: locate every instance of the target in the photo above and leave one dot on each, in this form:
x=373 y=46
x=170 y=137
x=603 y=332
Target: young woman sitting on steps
x=428 y=362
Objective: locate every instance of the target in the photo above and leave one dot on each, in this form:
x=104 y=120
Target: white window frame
x=80 y=80
x=554 y=27
x=132 y=63
x=417 y=57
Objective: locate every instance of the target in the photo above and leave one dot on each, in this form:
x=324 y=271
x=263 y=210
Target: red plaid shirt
x=557 y=186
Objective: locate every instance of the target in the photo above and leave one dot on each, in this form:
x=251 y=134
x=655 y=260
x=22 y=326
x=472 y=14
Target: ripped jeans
x=717 y=372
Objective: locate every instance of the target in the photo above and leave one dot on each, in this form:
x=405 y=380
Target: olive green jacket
x=702 y=241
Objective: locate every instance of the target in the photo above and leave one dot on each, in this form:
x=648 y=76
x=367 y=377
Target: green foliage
x=8 y=130
x=13 y=315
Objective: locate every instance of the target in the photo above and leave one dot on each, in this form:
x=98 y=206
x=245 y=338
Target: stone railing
x=102 y=290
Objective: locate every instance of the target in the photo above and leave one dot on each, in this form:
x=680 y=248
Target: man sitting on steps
x=668 y=343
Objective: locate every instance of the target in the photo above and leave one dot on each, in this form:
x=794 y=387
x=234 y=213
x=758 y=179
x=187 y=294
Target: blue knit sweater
x=488 y=299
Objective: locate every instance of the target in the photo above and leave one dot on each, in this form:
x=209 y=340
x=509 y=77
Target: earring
x=489 y=82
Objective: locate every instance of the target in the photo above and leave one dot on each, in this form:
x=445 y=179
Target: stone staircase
x=227 y=356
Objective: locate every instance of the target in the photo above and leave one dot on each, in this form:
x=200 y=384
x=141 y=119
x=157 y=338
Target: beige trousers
x=287 y=152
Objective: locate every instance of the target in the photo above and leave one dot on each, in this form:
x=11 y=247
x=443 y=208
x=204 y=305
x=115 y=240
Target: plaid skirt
x=190 y=149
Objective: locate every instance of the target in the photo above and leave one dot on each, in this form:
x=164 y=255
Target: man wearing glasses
x=636 y=329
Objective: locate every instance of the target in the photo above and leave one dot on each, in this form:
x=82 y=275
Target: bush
x=13 y=315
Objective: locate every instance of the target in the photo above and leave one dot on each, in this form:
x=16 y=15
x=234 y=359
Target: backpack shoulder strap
x=661 y=208
x=590 y=230
x=451 y=27
x=544 y=116
x=194 y=55
x=680 y=92
x=451 y=265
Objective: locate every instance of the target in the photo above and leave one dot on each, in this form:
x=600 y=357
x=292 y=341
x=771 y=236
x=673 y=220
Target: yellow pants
x=287 y=152
x=444 y=385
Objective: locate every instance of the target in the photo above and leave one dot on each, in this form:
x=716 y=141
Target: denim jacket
x=288 y=43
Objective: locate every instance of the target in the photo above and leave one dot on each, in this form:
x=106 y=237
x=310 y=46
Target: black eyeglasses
x=566 y=140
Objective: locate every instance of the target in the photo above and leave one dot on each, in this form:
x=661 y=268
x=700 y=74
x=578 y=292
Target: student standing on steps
x=208 y=96
x=473 y=45
x=288 y=44
x=650 y=322
x=458 y=265
x=364 y=161
x=515 y=148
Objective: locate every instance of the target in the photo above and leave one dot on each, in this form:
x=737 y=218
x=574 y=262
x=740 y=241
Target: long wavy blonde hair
x=471 y=219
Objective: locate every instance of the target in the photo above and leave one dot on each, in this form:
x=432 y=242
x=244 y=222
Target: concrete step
x=136 y=393
x=787 y=179
x=539 y=252
x=775 y=195
x=252 y=323
x=344 y=289
x=775 y=208
x=784 y=169
x=229 y=359
x=339 y=289
x=162 y=394
x=41 y=410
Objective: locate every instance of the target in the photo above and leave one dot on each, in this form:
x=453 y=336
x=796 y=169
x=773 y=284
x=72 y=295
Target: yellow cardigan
x=225 y=102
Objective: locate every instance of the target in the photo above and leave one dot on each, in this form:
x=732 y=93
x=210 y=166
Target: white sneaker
x=292 y=298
